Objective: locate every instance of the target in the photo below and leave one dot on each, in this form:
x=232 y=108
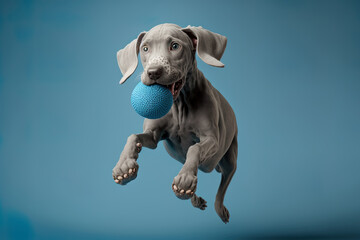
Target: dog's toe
x=126 y=172
x=184 y=187
x=198 y=202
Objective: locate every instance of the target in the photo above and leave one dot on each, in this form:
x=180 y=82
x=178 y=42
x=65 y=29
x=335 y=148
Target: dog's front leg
x=126 y=169
x=184 y=184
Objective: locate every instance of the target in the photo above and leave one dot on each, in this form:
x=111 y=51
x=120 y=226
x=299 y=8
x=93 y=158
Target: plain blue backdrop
x=292 y=75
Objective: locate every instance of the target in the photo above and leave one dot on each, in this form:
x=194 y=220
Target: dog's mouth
x=175 y=88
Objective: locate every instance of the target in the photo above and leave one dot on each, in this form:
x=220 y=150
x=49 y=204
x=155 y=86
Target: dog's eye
x=174 y=46
x=145 y=48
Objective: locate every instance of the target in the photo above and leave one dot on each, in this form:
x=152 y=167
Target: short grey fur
x=200 y=129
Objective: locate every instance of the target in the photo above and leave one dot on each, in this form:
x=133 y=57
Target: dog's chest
x=180 y=137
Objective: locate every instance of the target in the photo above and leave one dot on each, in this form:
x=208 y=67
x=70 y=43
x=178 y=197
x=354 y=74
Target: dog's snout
x=155 y=73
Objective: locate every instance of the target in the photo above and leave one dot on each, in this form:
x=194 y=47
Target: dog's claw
x=126 y=169
x=138 y=147
x=184 y=185
x=123 y=179
x=198 y=202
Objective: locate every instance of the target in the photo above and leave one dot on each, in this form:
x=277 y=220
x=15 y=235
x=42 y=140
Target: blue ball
x=152 y=101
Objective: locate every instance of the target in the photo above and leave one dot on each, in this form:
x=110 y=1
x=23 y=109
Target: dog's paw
x=198 y=202
x=184 y=185
x=125 y=171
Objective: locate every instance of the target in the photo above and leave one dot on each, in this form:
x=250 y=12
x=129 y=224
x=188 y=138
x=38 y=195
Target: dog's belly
x=177 y=146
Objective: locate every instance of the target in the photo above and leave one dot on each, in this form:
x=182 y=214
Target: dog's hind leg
x=228 y=167
x=198 y=202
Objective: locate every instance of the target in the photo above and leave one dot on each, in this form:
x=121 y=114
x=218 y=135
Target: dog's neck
x=195 y=84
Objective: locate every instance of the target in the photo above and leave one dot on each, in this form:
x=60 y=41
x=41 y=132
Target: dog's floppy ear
x=127 y=58
x=209 y=46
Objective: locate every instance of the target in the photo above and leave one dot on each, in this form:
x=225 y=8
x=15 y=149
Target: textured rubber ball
x=152 y=101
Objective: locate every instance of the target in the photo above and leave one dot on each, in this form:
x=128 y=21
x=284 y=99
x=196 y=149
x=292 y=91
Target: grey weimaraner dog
x=200 y=130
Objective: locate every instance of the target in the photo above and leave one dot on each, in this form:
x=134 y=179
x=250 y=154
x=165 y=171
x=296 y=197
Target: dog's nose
x=155 y=73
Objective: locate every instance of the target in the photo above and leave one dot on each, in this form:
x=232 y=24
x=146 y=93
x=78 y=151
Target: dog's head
x=167 y=54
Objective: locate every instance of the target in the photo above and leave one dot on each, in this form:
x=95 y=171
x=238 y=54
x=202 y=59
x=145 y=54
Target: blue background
x=292 y=76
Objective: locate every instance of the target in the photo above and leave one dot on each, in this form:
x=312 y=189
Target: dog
x=200 y=130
